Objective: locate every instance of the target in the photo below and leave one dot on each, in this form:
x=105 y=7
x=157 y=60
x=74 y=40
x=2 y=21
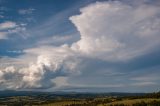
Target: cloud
x=7 y=25
x=15 y=51
x=36 y=75
x=2 y=8
x=10 y=27
x=146 y=78
x=3 y=35
x=1 y=16
x=60 y=81
x=110 y=32
x=142 y=84
x=43 y=72
x=117 y=31
x=26 y=11
x=56 y=39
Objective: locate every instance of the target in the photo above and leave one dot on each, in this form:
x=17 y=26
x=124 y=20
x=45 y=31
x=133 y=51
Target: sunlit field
x=150 y=99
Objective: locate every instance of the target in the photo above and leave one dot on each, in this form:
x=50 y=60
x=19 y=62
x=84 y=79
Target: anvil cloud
x=113 y=34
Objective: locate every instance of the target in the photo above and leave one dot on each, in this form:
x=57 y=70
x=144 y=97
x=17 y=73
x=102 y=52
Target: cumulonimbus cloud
x=110 y=31
x=117 y=31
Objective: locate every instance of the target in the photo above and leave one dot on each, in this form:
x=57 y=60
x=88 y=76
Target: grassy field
x=151 y=99
x=124 y=102
x=131 y=102
x=63 y=103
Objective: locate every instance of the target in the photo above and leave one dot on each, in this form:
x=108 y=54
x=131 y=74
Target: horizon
x=77 y=92
x=80 y=45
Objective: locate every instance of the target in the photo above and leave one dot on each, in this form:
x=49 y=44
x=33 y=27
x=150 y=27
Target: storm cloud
x=115 y=38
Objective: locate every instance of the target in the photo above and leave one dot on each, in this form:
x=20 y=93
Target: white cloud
x=56 y=39
x=110 y=31
x=7 y=25
x=44 y=71
x=142 y=84
x=15 y=51
x=117 y=31
x=149 y=77
x=36 y=75
x=61 y=81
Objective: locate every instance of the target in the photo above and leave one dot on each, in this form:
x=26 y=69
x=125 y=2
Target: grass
x=130 y=102
x=63 y=103
x=152 y=99
x=125 y=101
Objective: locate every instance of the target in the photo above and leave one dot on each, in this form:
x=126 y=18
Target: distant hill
x=59 y=98
x=9 y=93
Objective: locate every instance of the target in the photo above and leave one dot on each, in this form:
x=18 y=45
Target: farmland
x=80 y=99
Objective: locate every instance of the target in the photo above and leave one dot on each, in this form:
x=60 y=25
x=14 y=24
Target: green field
x=94 y=102
x=133 y=102
x=151 y=99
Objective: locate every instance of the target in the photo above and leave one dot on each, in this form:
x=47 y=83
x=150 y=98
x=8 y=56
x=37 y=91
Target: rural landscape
x=28 y=98
x=79 y=52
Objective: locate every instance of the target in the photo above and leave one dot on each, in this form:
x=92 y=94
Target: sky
x=80 y=45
